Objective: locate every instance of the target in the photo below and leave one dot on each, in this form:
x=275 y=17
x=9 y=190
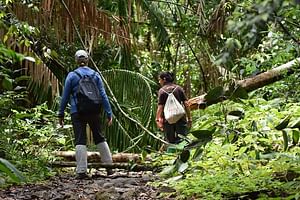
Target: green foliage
x=156 y=18
x=8 y=58
x=247 y=149
x=254 y=154
x=234 y=179
x=260 y=35
x=215 y=94
x=28 y=138
x=287 y=90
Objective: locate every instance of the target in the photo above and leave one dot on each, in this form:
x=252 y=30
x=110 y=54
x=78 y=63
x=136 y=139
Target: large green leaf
x=239 y=92
x=239 y=114
x=214 y=94
x=295 y=124
x=156 y=17
x=7 y=83
x=296 y=135
x=201 y=134
x=283 y=123
x=10 y=170
x=184 y=156
x=285 y=140
x=198 y=153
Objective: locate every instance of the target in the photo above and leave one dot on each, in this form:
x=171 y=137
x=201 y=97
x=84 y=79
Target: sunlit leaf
x=27 y=43
x=242 y=150
x=29 y=58
x=61 y=141
x=54 y=54
x=183 y=167
x=174 y=179
x=168 y=171
x=295 y=124
x=5 y=38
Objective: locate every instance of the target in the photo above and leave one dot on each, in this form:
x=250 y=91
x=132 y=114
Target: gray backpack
x=88 y=95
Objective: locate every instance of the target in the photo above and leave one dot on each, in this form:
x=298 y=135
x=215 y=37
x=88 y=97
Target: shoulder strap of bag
x=78 y=74
x=168 y=92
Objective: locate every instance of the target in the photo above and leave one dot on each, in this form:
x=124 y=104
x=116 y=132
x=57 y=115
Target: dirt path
x=119 y=186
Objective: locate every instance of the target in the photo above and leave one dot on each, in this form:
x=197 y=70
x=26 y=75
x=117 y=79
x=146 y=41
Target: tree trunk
x=250 y=84
x=127 y=166
x=95 y=156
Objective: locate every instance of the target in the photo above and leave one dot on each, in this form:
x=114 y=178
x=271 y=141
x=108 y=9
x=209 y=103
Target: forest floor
x=121 y=185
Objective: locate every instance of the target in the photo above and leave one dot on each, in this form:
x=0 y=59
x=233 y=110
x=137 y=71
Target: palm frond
x=202 y=17
x=52 y=14
x=218 y=19
x=133 y=95
x=156 y=17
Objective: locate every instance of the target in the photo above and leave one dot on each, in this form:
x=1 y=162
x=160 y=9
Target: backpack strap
x=174 y=89
x=77 y=73
x=170 y=92
x=80 y=76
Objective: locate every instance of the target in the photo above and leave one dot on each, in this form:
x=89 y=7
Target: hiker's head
x=165 y=77
x=82 y=57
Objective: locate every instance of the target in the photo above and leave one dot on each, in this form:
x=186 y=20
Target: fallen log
x=126 y=166
x=94 y=156
x=250 y=84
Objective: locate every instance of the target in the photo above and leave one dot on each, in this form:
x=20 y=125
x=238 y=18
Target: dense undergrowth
x=241 y=149
x=254 y=152
x=237 y=149
x=28 y=138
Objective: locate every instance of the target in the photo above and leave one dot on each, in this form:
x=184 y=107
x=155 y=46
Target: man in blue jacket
x=80 y=120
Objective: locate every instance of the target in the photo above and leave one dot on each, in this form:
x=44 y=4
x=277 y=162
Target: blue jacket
x=70 y=88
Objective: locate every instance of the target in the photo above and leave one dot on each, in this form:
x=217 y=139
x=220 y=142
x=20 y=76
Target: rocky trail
x=121 y=185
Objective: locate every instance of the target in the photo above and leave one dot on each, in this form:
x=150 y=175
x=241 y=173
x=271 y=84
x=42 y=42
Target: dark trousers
x=79 y=125
x=172 y=130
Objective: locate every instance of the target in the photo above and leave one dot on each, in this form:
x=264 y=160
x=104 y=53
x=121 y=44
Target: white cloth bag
x=173 y=110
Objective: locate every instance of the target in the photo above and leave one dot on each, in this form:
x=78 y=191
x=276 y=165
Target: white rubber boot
x=104 y=152
x=81 y=159
x=105 y=155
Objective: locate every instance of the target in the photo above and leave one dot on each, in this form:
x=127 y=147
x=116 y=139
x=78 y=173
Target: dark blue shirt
x=70 y=88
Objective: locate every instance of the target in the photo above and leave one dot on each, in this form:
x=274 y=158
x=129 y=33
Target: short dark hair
x=167 y=76
x=82 y=61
